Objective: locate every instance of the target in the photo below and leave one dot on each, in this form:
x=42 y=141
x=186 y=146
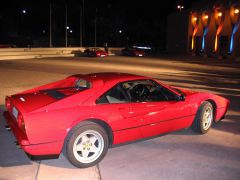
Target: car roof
x=94 y=49
x=99 y=79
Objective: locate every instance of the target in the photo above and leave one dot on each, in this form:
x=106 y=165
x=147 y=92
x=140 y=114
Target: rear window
x=82 y=84
x=67 y=88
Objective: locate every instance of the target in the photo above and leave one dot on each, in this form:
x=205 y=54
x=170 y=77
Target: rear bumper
x=32 y=149
x=19 y=135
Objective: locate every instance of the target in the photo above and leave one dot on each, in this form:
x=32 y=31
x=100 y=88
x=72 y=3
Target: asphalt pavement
x=178 y=155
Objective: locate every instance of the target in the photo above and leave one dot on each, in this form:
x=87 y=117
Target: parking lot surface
x=178 y=155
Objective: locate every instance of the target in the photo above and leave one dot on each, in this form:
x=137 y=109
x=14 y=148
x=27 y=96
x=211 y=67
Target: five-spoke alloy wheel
x=86 y=144
x=204 y=118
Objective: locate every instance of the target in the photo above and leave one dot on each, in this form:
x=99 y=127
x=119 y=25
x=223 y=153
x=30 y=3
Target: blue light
x=232 y=37
x=204 y=35
x=203 y=43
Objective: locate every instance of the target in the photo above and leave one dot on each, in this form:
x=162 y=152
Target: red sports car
x=95 y=52
x=83 y=115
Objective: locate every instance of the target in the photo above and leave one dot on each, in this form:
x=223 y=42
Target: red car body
x=41 y=120
x=95 y=52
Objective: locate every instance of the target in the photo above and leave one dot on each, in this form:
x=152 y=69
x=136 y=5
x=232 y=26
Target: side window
x=169 y=95
x=147 y=91
x=114 y=95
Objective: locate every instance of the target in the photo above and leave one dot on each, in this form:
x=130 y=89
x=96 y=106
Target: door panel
x=161 y=117
x=119 y=116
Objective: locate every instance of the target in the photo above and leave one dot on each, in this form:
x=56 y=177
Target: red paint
x=47 y=120
x=95 y=52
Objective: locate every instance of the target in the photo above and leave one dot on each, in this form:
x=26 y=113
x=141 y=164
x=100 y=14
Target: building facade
x=210 y=28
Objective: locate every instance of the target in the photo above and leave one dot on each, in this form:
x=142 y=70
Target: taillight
x=21 y=122
x=7 y=103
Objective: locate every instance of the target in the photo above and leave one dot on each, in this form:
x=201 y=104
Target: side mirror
x=181 y=97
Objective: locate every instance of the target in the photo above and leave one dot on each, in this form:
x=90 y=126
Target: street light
x=24 y=11
x=180 y=7
x=220 y=14
x=236 y=11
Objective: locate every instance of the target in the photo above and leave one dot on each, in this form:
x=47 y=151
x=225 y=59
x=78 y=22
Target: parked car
x=130 y=51
x=7 y=45
x=95 y=52
x=83 y=115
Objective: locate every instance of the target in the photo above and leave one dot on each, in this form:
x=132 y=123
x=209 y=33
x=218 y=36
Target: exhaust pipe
x=17 y=145
x=7 y=128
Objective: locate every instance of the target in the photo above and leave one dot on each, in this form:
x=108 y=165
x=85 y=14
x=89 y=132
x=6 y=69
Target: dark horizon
x=118 y=23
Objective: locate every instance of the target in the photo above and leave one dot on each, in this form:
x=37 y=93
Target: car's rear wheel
x=86 y=145
x=204 y=118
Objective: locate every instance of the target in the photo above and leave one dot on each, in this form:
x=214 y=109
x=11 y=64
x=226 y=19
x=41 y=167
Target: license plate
x=15 y=112
x=140 y=55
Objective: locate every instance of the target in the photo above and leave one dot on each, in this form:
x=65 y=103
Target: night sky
x=138 y=22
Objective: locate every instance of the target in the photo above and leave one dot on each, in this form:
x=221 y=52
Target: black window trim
x=118 y=85
x=127 y=96
x=157 y=84
x=176 y=96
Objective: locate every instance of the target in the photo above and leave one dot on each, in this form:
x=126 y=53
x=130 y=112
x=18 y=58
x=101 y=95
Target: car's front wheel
x=86 y=145
x=204 y=118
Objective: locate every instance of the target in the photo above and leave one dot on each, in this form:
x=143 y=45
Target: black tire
x=78 y=138
x=199 y=124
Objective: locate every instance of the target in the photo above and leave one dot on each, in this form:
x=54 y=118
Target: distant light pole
x=180 y=7
x=95 y=30
x=23 y=12
x=50 y=25
x=120 y=37
x=81 y=22
x=66 y=27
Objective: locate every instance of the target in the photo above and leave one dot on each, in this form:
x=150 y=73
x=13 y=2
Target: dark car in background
x=7 y=45
x=131 y=51
x=95 y=52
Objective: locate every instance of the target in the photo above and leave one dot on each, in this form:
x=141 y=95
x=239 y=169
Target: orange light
x=193 y=36
x=192 y=45
x=216 y=38
x=236 y=11
x=195 y=19
x=216 y=44
x=220 y=14
x=206 y=17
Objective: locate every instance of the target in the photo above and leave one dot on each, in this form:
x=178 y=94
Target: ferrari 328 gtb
x=82 y=115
